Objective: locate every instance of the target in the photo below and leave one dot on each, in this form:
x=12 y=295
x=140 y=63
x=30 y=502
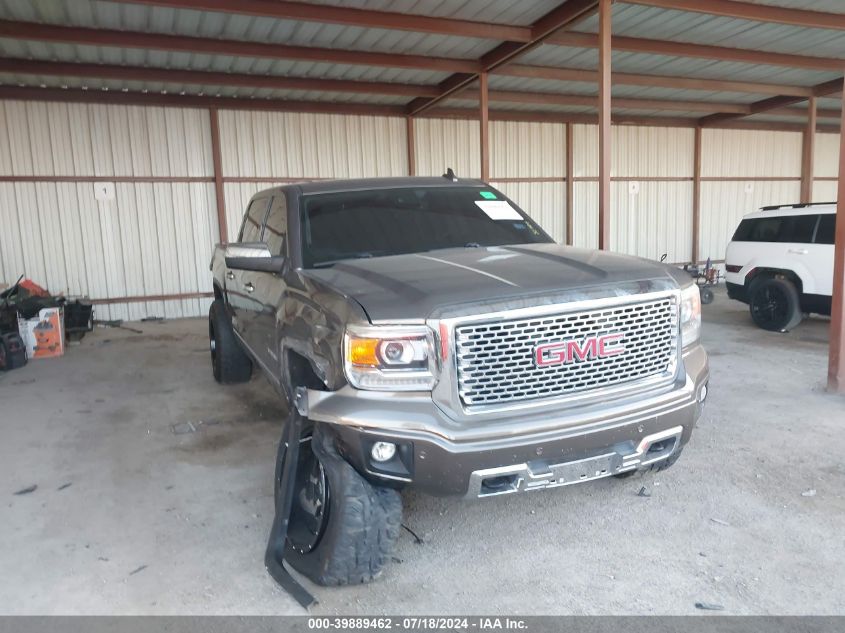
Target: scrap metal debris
x=138 y=570
x=26 y=491
x=809 y=493
x=417 y=539
x=118 y=323
x=63 y=486
x=719 y=521
x=643 y=492
x=183 y=428
x=709 y=606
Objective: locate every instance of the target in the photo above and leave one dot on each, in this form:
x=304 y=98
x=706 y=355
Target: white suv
x=780 y=262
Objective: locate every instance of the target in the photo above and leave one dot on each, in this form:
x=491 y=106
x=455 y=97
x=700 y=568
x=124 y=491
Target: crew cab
x=780 y=262
x=428 y=334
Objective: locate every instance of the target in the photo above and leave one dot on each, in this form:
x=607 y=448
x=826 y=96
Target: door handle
x=797 y=251
x=249 y=287
x=230 y=275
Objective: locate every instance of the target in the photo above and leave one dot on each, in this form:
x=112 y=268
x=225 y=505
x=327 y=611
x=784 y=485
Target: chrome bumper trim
x=539 y=475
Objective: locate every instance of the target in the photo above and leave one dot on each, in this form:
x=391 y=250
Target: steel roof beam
x=756 y=12
x=189 y=44
x=704 y=51
x=348 y=16
x=563 y=16
x=202 y=77
x=660 y=81
x=772 y=104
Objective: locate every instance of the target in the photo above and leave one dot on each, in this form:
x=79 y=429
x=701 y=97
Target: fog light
x=702 y=395
x=383 y=451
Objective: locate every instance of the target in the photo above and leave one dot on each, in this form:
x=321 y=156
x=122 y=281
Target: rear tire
x=775 y=304
x=229 y=362
x=342 y=528
x=706 y=296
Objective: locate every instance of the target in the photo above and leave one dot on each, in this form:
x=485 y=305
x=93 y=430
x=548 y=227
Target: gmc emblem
x=550 y=354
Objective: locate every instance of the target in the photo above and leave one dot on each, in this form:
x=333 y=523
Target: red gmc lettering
x=549 y=354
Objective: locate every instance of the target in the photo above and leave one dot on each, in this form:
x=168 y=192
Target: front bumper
x=442 y=456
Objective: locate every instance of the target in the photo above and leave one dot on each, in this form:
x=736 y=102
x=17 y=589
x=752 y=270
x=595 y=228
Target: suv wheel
x=342 y=529
x=229 y=362
x=775 y=304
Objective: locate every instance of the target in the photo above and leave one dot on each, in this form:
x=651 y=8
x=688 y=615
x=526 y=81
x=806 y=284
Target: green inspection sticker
x=488 y=195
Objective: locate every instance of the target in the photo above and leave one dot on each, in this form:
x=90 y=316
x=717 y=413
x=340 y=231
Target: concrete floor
x=130 y=517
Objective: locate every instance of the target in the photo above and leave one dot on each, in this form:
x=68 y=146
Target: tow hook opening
x=498 y=485
x=661 y=448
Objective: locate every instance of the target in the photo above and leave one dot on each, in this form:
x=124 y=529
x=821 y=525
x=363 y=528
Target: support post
x=807 y=153
x=836 y=360
x=696 y=196
x=570 y=184
x=485 y=128
x=217 y=166
x=411 y=142
x=604 y=123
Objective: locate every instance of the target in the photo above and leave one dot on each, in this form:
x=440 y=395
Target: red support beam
x=411 y=144
x=196 y=101
x=561 y=17
x=217 y=166
x=348 y=16
x=696 y=196
x=807 y=148
x=605 y=157
x=836 y=360
x=756 y=12
x=570 y=184
x=484 y=124
x=658 y=81
x=208 y=78
x=703 y=51
x=213 y=46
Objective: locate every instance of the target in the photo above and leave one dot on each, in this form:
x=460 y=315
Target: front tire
x=342 y=529
x=775 y=304
x=229 y=362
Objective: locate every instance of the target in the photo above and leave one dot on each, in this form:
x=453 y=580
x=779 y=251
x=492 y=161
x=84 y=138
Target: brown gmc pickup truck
x=427 y=333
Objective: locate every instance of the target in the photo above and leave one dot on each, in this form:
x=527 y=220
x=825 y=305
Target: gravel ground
x=154 y=496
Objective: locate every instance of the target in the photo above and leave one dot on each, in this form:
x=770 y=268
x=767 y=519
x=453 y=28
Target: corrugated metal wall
x=149 y=238
x=652 y=190
x=272 y=146
x=155 y=235
x=742 y=170
x=530 y=158
x=825 y=167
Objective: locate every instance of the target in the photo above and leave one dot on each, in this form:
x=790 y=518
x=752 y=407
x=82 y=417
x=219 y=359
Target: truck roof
x=359 y=184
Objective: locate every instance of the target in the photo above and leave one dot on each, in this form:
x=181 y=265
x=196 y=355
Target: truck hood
x=420 y=285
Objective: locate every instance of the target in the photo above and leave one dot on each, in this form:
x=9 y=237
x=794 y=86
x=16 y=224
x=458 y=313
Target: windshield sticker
x=488 y=195
x=498 y=209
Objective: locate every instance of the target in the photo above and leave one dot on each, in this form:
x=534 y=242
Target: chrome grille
x=495 y=361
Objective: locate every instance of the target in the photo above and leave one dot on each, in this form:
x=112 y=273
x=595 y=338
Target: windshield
x=376 y=223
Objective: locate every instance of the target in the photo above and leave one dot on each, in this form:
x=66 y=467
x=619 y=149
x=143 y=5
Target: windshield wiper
x=332 y=262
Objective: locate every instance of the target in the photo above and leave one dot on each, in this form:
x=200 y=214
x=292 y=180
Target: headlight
x=389 y=358
x=690 y=315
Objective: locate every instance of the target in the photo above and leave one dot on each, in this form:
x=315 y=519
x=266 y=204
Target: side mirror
x=253 y=256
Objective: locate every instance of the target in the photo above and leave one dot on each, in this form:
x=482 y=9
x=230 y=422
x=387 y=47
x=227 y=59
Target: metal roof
x=629 y=20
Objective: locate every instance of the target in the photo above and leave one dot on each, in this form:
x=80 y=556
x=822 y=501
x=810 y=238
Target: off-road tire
x=775 y=304
x=706 y=296
x=229 y=362
x=362 y=527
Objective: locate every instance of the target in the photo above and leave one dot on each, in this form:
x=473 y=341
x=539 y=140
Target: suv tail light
x=732 y=268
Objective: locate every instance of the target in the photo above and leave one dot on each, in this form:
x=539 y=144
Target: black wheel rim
x=310 y=507
x=770 y=307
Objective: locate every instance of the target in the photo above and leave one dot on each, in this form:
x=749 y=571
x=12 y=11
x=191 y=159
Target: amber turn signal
x=362 y=351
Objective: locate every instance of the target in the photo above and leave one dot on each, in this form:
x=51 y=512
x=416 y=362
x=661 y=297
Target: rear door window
x=276 y=228
x=253 y=221
x=827 y=229
x=793 y=228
